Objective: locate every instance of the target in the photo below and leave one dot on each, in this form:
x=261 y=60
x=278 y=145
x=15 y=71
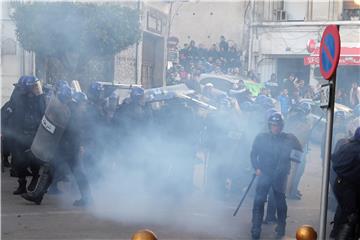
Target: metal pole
x=250 y=54
x=326 y=168
x=137 y=46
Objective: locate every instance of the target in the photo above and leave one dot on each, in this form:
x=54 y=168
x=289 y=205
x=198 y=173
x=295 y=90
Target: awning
x=349 y=56
x=315 y=60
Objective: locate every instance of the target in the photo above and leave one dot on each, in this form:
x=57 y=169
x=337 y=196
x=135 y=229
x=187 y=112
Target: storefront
x=349 y=63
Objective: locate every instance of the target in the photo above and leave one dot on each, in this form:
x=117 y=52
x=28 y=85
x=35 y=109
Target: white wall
x=12 y=66
x=205 y=21
x=296 y=10
x=320 y=11
x=286 y=40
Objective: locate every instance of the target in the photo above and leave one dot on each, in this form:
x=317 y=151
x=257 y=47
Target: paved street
x=56 y=218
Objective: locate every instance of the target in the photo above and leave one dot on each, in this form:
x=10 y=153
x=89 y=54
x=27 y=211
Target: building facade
x=205 y=21
x=14 y=60
x=145 y=62
x=286 y=35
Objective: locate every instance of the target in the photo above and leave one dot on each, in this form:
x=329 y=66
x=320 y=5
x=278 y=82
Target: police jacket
x=272 y=154
x=131 y=118
x=346 y=161
x=25 y=118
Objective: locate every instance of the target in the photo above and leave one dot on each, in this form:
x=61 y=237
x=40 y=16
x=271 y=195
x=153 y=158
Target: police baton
x=246 y=192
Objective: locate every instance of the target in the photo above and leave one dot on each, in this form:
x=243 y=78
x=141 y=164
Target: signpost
x=329 y=58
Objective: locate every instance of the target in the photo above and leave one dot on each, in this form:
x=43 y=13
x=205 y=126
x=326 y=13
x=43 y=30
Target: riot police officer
x=67 y=151
x=271 y=156
x=346 y=164
x=95 y=121
x=132 y=114
x=131 y=120
x=27 y=109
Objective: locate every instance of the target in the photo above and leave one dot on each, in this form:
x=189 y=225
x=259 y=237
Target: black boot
x=44 y=182
x=347 y=230
x=33 y=183
x=256 y=223
x=255 y=233
x=270 y=220
x=83 y=202
x=280 y=230
x=21 y=188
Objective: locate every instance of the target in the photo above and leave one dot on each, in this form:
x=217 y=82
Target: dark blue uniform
x=27 y=113
x=346 y=187
x=272 y=155
x=69 y=151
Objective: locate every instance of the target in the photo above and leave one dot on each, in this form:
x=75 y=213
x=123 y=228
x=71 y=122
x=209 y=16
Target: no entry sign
x=329 y=51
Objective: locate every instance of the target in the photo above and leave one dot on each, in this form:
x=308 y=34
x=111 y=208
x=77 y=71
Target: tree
x=68 y=36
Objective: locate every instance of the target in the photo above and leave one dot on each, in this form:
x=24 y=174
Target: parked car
x=226 y=83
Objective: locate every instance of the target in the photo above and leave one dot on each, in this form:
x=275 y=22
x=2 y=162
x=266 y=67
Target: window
x=351 y=10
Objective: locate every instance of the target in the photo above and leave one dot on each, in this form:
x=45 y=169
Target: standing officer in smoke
x=271 y=156
x=346 y=164
x=300 y=125
x=132 y=114
x=68 y=150
x=131 y=119
x=25 y=112
x=95 y=121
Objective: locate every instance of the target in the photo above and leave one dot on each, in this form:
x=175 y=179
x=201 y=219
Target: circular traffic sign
x=329 y=51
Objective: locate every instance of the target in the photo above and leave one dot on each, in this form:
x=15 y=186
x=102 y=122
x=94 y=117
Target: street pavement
x=56 y=218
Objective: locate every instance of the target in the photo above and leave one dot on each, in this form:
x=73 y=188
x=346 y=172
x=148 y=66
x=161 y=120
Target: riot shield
x=51 y=129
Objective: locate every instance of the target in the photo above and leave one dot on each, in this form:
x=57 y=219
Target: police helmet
x=276 y=119
x=96 y=87
x=270 y=112
x=65 y=93
x=136 y=93
x=27 y=82
x=79 y=97
x=20 y=82
x=96 y=90
x=60 y=83
x=356 y=111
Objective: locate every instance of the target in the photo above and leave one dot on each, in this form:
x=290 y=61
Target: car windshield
x=219 y=83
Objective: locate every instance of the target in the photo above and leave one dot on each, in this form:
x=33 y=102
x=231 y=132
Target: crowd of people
x=94 y=134
x=224 y=58
x=221 y=58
